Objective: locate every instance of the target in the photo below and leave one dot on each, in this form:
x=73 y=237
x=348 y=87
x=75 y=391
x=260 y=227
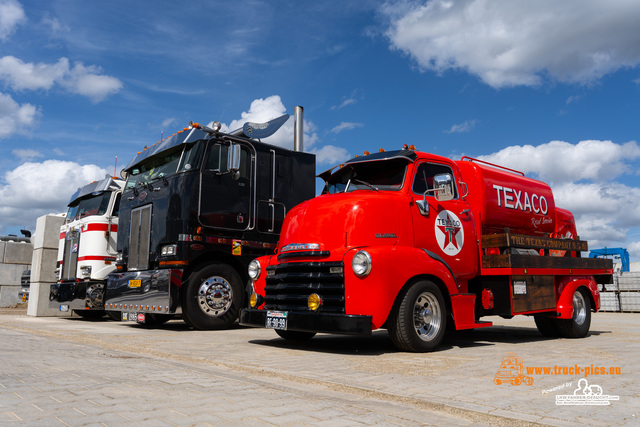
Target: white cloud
x=582 y=179
x=462 y=127
x=15 y=117
x=346 y=126
x=344 y=103
x=331 y=155
x=510 y=43
x=167 y=122
x=558 y=162
x=263 y=110
x=54 y=23
x=26 y=154
x=87 y=82
x=79 y=79
x=11 y=15
x=35 y=189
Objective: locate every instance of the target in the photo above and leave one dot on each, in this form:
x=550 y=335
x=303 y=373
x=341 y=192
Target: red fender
x=567 y=287
x=392 y=268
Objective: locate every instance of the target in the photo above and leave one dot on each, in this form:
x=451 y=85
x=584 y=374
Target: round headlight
x=361 y=263
x=314 y=302
x=254 y=269
x=253 y=300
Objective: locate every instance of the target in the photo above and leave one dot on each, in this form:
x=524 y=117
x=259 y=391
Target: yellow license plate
x=135 y=283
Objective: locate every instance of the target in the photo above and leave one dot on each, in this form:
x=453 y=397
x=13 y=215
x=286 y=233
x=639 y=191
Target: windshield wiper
x=359 y=181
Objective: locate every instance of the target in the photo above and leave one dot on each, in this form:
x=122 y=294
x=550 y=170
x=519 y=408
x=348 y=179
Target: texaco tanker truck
x=418 y=244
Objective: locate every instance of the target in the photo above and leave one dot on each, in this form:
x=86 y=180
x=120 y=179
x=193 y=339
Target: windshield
x=384 y=175
x=94 y=205
x=166 y=164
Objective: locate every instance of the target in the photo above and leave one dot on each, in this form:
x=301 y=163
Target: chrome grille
x=70 y=256
x=288 y=285
x=139 y=238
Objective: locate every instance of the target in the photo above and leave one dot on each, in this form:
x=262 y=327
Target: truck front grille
x=139 y=238
x=70 y=256
x=288 y=286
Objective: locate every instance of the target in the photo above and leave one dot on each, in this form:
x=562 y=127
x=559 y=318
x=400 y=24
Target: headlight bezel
x=254 y=269
x=361 y=263
x=169 y=250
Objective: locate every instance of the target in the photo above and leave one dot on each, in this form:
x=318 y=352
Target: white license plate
x=276 y=320
x=64 y=307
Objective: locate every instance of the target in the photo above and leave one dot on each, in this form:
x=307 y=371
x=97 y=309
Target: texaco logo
x=449 y=233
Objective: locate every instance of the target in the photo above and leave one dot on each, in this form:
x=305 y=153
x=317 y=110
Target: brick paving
x=73 y=372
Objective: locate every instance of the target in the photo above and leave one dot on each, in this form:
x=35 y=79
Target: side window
x=116 y=205
x=423 y=180
x=217 y=160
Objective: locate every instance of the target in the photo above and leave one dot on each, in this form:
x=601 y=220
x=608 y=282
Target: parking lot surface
x=74 y=372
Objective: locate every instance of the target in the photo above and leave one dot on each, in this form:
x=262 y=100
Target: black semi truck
x=197 y=207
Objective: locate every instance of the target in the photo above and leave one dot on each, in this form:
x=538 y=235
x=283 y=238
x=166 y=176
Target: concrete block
x=47 y=233
x=9 y=295
x=10 y=274
x=43 y=265
x=2 y=245
x=39 y=304
x=17 y=253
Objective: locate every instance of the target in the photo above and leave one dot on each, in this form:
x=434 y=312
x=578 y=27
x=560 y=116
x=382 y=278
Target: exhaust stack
x=297 y=129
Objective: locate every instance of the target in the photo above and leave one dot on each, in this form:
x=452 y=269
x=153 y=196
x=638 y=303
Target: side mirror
x=233 y=158
x=443 y=186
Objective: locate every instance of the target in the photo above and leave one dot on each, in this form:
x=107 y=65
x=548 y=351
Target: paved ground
x=69 y=371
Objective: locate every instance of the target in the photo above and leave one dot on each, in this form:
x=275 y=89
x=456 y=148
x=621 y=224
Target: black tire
x=114 y=315
x=295 y=335
x=213 y=297
x=90 y=314
x=580 y=322
x=546 y=326
x=419 y=321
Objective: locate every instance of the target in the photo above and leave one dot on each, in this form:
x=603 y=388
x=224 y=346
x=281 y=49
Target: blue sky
x=550 y=88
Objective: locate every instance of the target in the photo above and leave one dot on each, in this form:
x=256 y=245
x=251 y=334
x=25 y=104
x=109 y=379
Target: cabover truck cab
x=87 y=248
x=196 y=209
x=417 y=243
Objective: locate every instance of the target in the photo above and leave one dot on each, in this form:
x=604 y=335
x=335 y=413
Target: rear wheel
x=213 y=297
x=419 y=321
x=295 y=335
x=578 y=325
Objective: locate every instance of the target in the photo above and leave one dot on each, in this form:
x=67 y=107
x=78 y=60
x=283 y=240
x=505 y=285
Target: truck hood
x=345 y=220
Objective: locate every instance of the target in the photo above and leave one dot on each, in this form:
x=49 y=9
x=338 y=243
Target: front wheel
x=419 y=321
x=213 y=297
x=578 y=325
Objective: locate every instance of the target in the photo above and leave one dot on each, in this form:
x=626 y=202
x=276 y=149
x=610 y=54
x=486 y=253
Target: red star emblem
x=450 y=231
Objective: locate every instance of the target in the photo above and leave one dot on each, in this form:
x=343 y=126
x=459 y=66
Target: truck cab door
x=226 y=194
x=443 y=227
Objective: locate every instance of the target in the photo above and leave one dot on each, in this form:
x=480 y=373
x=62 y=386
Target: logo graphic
x=449 y=232
x=586 y=394
x=511 y=371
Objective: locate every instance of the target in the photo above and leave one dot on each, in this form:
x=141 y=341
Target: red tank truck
x=418 y=244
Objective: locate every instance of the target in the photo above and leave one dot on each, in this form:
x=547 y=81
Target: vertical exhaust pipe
x=297 y=129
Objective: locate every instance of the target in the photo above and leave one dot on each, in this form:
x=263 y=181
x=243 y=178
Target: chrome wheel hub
x=427 y=316
x=579 y=308
x=215 y=296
